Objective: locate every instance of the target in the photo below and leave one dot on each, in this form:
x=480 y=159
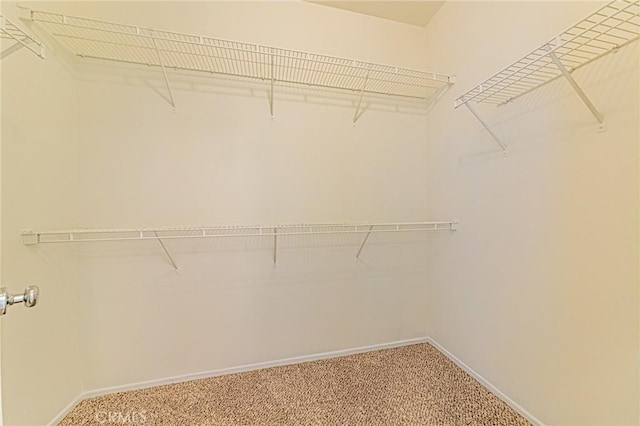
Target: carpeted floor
x=411 y=385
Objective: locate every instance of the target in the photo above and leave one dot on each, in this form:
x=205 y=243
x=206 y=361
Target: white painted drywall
x=538 y=292
x=41 y=363
x=220 y=160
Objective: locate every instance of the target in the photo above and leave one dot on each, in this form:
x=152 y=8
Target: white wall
x=41 y=363
x=220 y=160
x=539 y=290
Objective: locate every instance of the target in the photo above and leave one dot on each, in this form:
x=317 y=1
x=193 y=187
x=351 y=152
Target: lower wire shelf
x=30 y=237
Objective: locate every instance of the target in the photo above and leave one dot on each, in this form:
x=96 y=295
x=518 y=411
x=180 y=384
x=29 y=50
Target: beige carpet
x=411 y=385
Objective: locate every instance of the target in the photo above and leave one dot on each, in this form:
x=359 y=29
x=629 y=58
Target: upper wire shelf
x=607 y=29
x=170 y=50
x=10 y=31
x=160 y=234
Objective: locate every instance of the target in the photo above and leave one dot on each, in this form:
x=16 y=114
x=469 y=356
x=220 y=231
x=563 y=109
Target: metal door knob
x=29 y=298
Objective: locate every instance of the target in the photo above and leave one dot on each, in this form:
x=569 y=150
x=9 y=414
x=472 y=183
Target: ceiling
x=406 y=11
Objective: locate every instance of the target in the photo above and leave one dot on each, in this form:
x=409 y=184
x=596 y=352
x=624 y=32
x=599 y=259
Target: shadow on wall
x=554 y=108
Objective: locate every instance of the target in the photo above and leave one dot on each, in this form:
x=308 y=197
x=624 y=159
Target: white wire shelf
x=10 y=31
x=87 y=235
x=609 y=28
x=170 y=50
x=159 y=234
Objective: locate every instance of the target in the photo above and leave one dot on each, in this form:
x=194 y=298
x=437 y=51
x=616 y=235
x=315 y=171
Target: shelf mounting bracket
x=364 y=242
x=275 y=246
x=164 y=73
x=173 y=263
x=486 y=126
x=597 y=114
x=271 y=86
x=356 y=116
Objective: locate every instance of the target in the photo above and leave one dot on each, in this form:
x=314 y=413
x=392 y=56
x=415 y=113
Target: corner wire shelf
x=91 y=38
x=604 y=31
x=159 y=234
x=10 y=31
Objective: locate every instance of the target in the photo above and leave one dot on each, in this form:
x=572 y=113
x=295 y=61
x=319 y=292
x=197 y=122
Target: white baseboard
x=66 y=410
x=297 y=360
x=232 y=370
x=497 y=392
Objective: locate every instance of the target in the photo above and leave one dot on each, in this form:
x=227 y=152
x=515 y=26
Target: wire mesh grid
x=10 y=31
x=41 y=237
x=105 y=40
x=609 y=28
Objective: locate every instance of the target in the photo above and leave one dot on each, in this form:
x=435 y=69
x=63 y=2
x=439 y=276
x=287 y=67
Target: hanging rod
x=10 y=31
x=96 y=39
x=606 y=30
x=30 y=237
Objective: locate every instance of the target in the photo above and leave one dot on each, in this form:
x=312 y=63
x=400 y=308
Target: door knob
x=29 y=298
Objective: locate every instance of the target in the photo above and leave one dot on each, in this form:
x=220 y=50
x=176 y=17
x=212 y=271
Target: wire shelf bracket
x=272 y=81
x=598 y=116
x=486 y=126
x=10 y=31
x=30 y=237
x=90 y=38
x=275 y=246
x=164 y=248
x=606 y=30
x=356 y=115
x=164 y=74
x=364 y=241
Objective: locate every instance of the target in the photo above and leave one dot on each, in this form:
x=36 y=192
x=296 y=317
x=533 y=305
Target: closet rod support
x=173 y=263
x=164 y=73
x=366 y=237
x=486 y=126
x=577 y=88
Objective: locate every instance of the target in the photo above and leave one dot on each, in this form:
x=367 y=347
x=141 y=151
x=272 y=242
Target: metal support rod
x=493 y=135
x=166 y=252
x=364 y=86
x=364 y=242
x=164 y=73
x=576 y=87
x=271 y=88
x=275 y=245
